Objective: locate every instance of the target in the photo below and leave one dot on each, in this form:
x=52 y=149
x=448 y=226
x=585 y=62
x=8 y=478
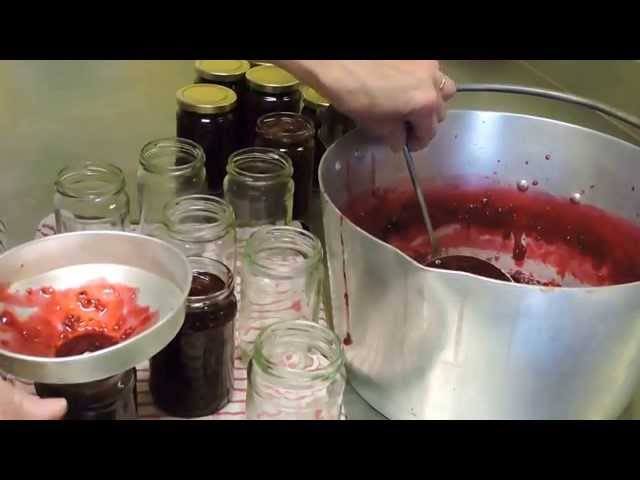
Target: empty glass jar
x=4 y=239
x=112 y=398
x=259 y=188
x=91 y=196
x=297 y=373
x=281 y=279
x=292 y=134
x=168 y=168
x=193 y=375
x=202 y=225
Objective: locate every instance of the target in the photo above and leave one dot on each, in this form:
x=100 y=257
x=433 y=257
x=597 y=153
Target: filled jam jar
x=269 y=89
x=193 y=375
x=207 y=115
x=112 y=398
x=228 y=73
x=313 y=107
x=292 y=134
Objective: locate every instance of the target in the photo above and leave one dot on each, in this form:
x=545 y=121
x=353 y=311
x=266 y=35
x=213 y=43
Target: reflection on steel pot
x=432 y=344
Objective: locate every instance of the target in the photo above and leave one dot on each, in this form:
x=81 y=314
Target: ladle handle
x=553 y=95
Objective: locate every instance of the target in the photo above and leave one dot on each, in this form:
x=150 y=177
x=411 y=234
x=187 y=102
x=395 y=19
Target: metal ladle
x=459 y=263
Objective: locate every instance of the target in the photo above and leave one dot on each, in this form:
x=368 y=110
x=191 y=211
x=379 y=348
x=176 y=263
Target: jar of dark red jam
x=313 y=107
x=269 y=89
x=294 y=135
x=228 y=73
x=207 y=115
x=112 y=398
x=193 y=375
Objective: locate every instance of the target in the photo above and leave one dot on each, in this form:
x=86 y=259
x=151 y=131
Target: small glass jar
x=228 y=73
x=169 y=168
x=202 y=225
x=296 y=373
x=193 y=375
x=207 y=115
x=313 y=107
x=112 y=398
x=259 y=187
x=281 y=279
x=292 y=134
x=91 y=196
x=269 y=89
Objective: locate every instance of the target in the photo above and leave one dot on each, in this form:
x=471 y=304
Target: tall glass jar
x=314 y=107
x=202 y=225
x=228 y=73
x=207 y=114
x=269 y=89
x=294 y=135
x=91 y=196
x=112 y=398
x=296 y=373
x=193 y=375
x=168 y=168
x=259 y=187
x=281 y=279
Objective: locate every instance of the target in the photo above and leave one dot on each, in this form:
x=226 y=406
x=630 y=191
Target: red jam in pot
x=579 y=241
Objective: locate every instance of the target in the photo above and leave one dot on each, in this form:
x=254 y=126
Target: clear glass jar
x=296 y=373
x=193 y=375
x=281 y=279
x=169 y=168
x=202 y=225
x=294 y=135
x=259 y=187
x=112 y=398
x=91 y=196
x=269 y=89
x=314 y=107
x=207 y=115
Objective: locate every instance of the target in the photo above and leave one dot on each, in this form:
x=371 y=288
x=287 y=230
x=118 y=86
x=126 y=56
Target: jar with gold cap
x=228 y=73
x=207 y=115
x=269 y=89
x=313 y=107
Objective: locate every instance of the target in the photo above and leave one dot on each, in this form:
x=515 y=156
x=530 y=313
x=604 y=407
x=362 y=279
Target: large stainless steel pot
x=432 y=344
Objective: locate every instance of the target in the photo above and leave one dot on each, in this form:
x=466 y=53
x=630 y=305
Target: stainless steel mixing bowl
x=432 y=344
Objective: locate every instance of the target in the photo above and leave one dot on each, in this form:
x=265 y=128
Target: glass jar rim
x=171 y=144
x=187 y=205
x=241 y=159
x=263 y=239
x=307 y=331
x=202 y=263
x=308 y=130
x=68 y=178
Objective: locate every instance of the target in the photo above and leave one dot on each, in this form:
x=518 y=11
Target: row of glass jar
x=93 y=195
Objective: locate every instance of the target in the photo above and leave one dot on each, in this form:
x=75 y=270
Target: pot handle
x=553 y=95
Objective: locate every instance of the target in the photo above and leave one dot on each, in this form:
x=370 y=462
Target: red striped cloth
x=234 y=410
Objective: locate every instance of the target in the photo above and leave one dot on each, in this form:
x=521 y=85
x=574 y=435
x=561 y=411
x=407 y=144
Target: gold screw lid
x=313 y=99
x=222 y=70
x=255 y=63
x=271 y=79
x=206 y=98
